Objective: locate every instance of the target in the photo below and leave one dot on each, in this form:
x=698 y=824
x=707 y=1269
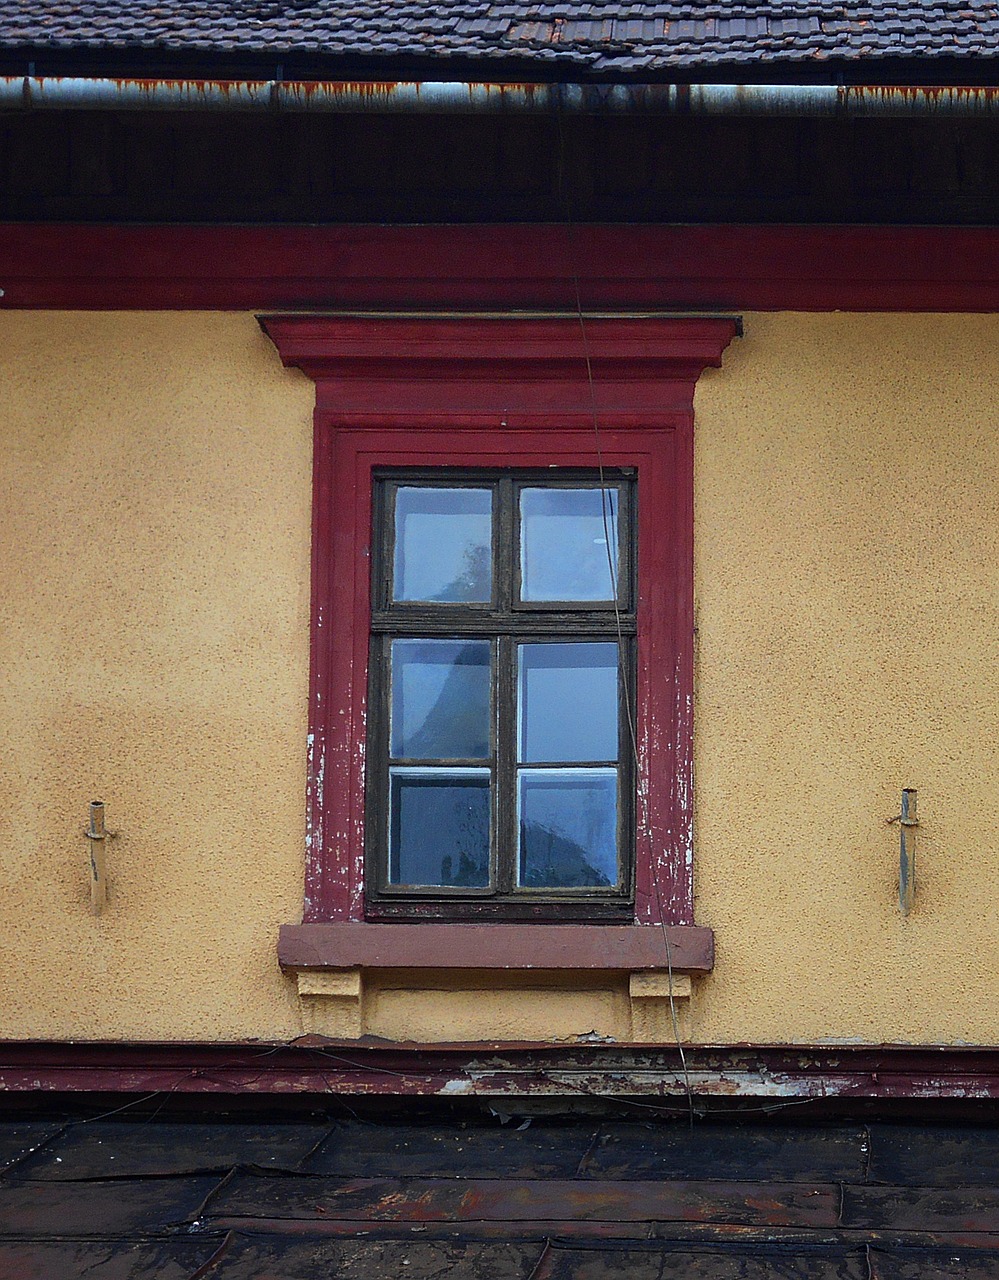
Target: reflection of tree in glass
x=553 y=860
x=472 y=841
x=457 y=725
x=474 y=580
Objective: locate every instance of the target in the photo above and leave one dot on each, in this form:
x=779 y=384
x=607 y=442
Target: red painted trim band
x=845 y=1073
x=720 y=267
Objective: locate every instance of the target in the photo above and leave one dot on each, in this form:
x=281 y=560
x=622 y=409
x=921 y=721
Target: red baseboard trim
x=314 y=1066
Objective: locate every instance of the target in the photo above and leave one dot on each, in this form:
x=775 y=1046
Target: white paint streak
x=456 y=1087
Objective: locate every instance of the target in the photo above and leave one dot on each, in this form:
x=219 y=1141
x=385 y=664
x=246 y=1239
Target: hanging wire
x=641 y=780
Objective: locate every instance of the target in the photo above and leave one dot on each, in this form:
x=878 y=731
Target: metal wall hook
x=907 y=822
x=98 y=835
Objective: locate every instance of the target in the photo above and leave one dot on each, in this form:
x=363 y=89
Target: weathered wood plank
x=921 y=1208
x=87 y=1209
x=934 y=1264
x=812 y=1153
x=540 y=1229
x=700 y=1263
x=574 y=1231
x=251 y=1258
x=440 y=1199
x=452 y=1150
x=929 y=1155
x=176 y=1259
x=20 y=1139
x=120 y=1150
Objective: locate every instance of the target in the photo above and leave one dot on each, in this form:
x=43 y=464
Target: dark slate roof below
x=558 y=36
x=557 y=1199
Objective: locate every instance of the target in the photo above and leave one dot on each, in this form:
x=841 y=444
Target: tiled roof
x=593 y=36
x=608 y=1200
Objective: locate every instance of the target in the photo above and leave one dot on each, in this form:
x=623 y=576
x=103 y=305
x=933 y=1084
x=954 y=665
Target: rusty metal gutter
x=63 y=93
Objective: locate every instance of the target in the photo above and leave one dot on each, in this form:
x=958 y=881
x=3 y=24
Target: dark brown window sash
x=504 y=621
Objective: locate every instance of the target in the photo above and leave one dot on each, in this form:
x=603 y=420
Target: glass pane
x=443 y=541
x=568 y=828
x=439 y=822
x=440 y=699
x=563 y=544
x=567 y=701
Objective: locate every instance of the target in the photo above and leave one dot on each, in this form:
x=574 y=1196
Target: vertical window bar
x=504 y=534
x=506 y=764
x=377 y=774
x=626 y=764
x=383 y=549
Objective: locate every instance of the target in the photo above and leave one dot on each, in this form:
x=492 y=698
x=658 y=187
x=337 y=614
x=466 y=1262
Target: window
x=472 y=477
x=501 y=690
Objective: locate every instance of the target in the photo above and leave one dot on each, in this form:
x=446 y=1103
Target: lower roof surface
x=497 y=1198
x=558 y=37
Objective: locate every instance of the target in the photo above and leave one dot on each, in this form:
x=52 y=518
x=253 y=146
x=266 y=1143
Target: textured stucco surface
x=526 y=1007
x=155 y=473
x=848 y=635
x=154 y=649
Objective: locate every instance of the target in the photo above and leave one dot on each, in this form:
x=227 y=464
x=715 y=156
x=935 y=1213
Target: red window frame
x=516 y=392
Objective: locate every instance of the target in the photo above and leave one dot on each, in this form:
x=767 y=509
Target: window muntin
x=499 y=763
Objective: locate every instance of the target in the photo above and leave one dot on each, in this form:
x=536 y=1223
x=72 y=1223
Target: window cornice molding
x=635 y=370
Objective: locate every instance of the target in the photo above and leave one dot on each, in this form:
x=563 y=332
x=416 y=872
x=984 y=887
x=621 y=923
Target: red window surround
x=500 y=392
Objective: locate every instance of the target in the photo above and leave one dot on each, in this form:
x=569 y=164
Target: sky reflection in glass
x=563 y=544
x=568 y=701
x=443 y=544
x=439 y=823
x=440 y=699
x=568 y=828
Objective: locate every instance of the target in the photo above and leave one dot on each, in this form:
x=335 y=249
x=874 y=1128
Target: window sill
x=331 y=961
x=432 y=945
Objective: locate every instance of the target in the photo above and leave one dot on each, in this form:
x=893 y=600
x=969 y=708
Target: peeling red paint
x=315 y=1065
x=468 y=391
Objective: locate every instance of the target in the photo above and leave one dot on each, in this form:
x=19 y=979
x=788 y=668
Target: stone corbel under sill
x=329 y=961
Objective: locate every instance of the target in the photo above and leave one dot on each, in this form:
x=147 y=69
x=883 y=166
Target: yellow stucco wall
x=154 y=612
x=846 y=579
x=155 y=472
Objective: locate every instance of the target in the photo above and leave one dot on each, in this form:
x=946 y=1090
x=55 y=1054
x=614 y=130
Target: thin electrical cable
x=640 y=779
